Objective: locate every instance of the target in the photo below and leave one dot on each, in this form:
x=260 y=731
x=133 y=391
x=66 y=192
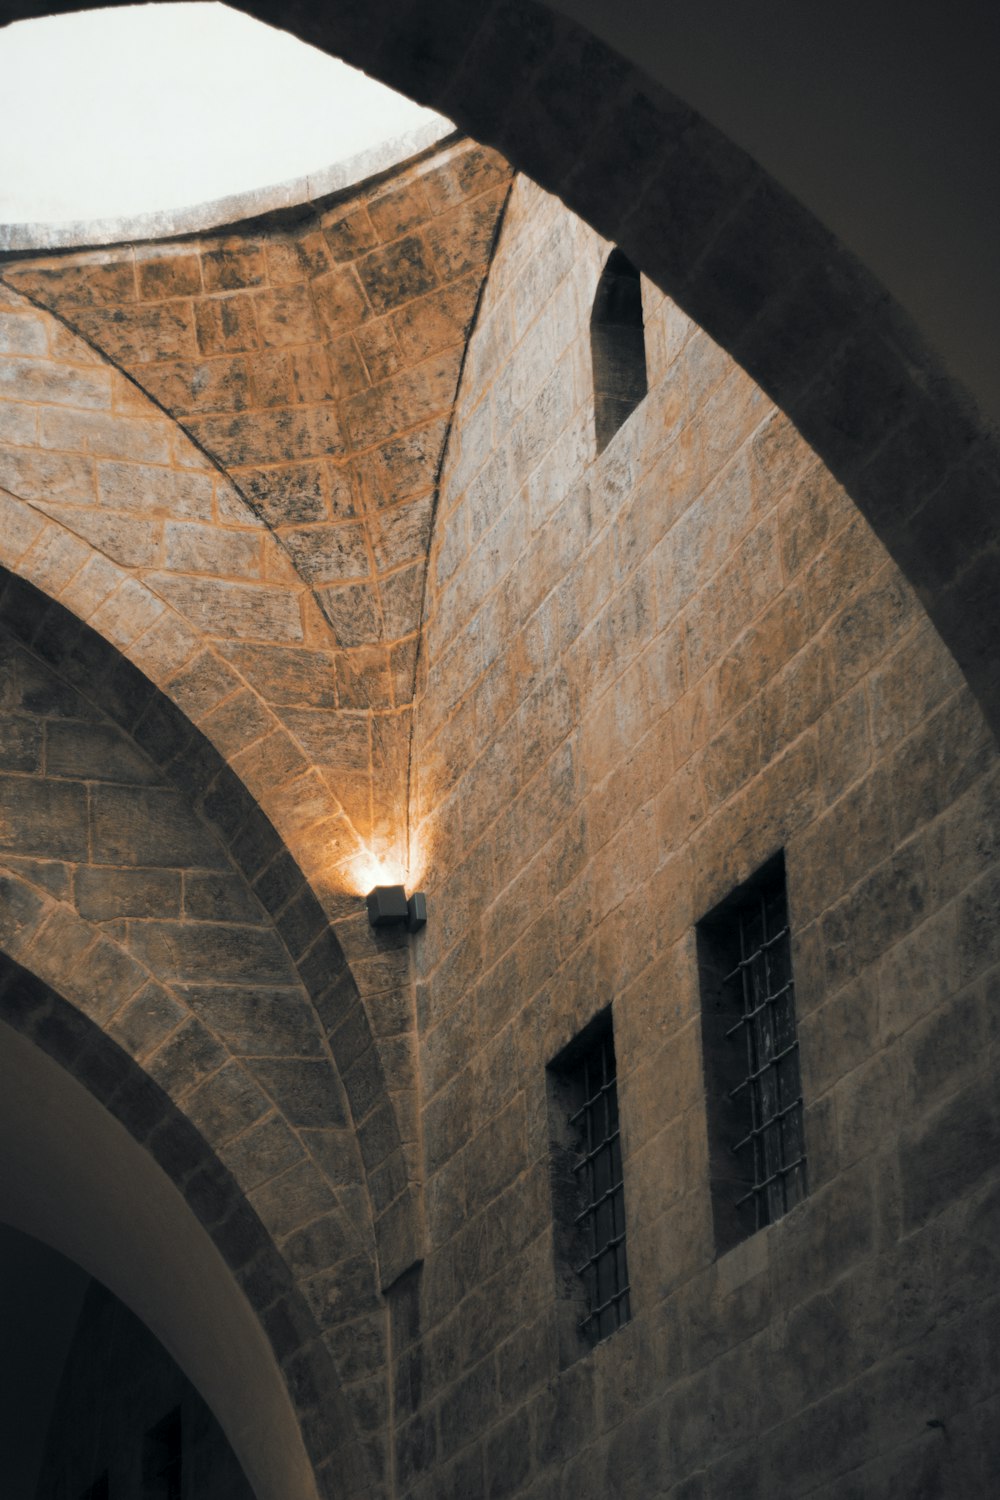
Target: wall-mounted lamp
x=388 y=907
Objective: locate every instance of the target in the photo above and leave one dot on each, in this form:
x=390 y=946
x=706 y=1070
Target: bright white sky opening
x=108 y=114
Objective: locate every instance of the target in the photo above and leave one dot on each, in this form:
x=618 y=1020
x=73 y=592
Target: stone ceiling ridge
x=317 y=366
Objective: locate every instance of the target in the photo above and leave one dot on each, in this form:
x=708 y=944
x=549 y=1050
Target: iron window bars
x=590 y=1197
x=757 y=1146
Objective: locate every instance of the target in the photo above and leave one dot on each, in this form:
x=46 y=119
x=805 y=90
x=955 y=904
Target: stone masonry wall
x=114 y=891
x=109 y=507
x=643 y=676
x=314 y=362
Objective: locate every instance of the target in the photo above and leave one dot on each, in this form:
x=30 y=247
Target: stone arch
x=95 y=481
x=186 y=761
x=272 y=702
x=135 y=1194
x=738 y=254
x=354 y=1177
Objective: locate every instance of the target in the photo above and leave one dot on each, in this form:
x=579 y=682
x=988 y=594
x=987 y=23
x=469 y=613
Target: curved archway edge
x=737 y=253
x=161 y=730
x=185 y=1252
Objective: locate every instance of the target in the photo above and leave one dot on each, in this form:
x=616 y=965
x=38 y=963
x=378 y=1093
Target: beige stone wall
x=119 y=896
x=643 y=676
x=639 y=676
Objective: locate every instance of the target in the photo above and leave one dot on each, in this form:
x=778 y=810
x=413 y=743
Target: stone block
x=948 y=1153
x=508 y=1457
x=226 y=1104
x=221 y=384
x=329 y=553
x=339 y=1294
x=210 y=951
x=168 y=275
x=47 y=477
x=252 y=1017
x=823 y=1236
x=869 y=1104
x=91 y=282
x=979 y=944
x=95 y=752
x=378 y=1136
x=290 y=377
x=106 y=894
x=188 y=1056
x=22 y=333
x=285 y=495
x=20 y=745
x=232 y=263
x=147 y=1020
x=47 y=818
x=340 y=300
x=147 y=826
x=233 y=610
x=153 y=490
x=942 y=1052
x=264 y=1151
x=396 y=273
x=469 y=1404
x=890 y=902
x=225 y=325
x=408 y=399
x=139 y=335
x=307 y=1092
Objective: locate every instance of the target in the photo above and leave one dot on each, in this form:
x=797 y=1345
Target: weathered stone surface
x=637 y=677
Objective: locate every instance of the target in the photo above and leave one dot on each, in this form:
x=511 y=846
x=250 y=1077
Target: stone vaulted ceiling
x=315 y=364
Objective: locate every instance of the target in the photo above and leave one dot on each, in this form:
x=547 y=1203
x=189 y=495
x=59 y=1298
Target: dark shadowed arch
x=740 y=255
x=159 y=1220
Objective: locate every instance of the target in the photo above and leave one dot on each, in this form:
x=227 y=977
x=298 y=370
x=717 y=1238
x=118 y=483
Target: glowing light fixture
x=389 y=907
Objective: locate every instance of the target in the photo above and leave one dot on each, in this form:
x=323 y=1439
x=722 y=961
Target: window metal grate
x=598 y=1171
x=757 y=1160
x=773 y=1146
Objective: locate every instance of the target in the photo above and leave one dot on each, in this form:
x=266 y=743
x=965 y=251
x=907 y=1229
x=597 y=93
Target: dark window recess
x=161 y=1459
x=98 y=1490
x=757 y=1160
x=588 y=1194
x=618 y=347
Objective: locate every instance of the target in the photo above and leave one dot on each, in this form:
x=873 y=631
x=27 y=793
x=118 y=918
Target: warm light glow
x=367 y=871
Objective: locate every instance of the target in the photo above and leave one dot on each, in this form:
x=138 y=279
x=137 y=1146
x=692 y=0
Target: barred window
x=757 y=1158
x=588 y=1190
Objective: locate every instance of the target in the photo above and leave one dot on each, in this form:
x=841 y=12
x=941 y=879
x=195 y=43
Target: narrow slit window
x=757 y=1158
x=618 y=347
x=588 y=1188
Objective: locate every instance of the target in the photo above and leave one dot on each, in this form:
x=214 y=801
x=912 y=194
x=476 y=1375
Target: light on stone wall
x=368 y=870
x=388 y=907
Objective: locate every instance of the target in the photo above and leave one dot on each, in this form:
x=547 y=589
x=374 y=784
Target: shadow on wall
x=93 y=1403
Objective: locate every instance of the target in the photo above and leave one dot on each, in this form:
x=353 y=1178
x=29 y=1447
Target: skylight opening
x=148 y=112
